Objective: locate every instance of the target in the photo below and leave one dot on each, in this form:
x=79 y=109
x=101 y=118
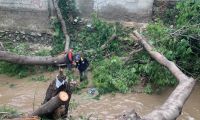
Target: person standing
x=82 y=65
x=69 y=58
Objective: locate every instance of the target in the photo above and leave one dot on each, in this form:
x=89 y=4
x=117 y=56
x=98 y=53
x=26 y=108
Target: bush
x=176 y=42
x=111 y=75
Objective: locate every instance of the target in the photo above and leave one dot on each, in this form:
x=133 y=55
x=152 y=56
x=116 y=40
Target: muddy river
x=27 y=95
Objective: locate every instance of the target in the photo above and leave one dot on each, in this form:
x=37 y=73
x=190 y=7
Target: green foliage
x=8 y=112
x=43 y=52
x=111 y=75
x=178 y=43
x=21 y=49
x=188 y=12
x=148 y=89
x=15 y=69
x=58 y=39
x=73 y=104
x=157 y=75
x=97 y=32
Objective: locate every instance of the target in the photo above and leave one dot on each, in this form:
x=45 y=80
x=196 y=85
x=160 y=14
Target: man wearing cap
x=82 y=64
x=58 y=85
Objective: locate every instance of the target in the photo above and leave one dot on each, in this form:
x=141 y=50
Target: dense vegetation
x=179 y=42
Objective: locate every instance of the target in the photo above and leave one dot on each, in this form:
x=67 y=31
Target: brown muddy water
x=20 y=93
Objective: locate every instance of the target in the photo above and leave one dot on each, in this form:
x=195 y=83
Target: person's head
x=77 y=57
x=61 y=76
x=71 y=50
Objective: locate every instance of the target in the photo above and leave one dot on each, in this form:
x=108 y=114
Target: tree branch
x=172 y=107
x=126 y=59
x=64 y=28
x=113 y=37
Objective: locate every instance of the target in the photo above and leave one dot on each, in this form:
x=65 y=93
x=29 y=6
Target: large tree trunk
x=52 y=104
x=172 y=107
x=64 y=28
x=34 y=60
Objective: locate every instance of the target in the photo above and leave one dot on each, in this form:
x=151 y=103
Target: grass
x=8 y=112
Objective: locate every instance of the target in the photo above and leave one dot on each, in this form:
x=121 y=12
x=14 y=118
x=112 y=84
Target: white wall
x=28 y=4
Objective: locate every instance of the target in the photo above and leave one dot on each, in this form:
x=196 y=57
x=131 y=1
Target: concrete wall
x=25 y=14
x=34 y=14
x=129 y=10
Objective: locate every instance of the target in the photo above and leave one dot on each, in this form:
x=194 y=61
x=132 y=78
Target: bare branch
x=126 y=59
x=113 y=37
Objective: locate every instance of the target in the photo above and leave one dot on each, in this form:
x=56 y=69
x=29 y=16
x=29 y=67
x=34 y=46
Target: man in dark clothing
x=58 y=85
x=82 y=64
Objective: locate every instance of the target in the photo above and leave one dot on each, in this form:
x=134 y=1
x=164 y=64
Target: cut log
x=52 y=104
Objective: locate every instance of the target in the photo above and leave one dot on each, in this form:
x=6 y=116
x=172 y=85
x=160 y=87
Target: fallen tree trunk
x=172 y=107
x=52 y=104
x=64 y=28
x=33 y=60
